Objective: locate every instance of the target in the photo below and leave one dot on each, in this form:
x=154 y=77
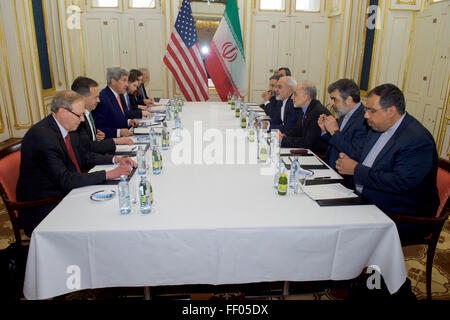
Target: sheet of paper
x=329 y=191
x=125 y=148
x=107 y=167
x=141 y=130
x=303 y=160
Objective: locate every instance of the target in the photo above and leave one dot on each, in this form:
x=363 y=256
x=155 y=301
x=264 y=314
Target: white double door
x=128 y=40
x=299 y=43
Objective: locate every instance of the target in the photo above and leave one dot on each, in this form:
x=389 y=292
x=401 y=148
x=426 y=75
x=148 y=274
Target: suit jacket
x=86 y=140
x=306 y=133
x=108 y=116
x=402 y=179
x=290 y=116
x=270 y=108
x=133 y=111
x=139 y=97
x=46 y=169
x=351 y=140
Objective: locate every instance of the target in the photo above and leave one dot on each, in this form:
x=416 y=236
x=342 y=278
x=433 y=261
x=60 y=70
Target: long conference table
x=213 y=222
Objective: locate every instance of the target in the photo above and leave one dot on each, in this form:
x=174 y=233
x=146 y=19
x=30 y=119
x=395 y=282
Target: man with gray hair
x=149 y=102
x=306 y=133
x=284 y=115
x=110 y=114
x=52 y=158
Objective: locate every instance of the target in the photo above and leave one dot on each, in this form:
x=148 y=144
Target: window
x=307 y=5
x=138 y=4
x=276 y=5
x=104 y=3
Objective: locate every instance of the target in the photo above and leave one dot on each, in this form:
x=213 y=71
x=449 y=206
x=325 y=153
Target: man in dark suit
x=92 y=138
x=110 y=114
x=51 y=159
x=142 y=93
x=306 y=133
x=284 y=115
x=269 y=97
x=349 y=133
x=397 y=168
x=134 y=109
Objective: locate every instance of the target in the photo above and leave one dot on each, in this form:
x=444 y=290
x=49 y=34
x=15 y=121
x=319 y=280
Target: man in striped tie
x=52 y=158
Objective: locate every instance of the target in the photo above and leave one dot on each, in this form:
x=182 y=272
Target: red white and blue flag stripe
x=183 y=57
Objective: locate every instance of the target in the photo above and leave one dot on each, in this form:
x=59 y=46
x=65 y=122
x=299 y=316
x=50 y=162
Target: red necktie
x=71 y=153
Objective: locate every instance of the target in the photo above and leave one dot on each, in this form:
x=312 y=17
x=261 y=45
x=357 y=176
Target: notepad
x=329 y=191
x=303 y=160
x=141 y=130
x=126 y=148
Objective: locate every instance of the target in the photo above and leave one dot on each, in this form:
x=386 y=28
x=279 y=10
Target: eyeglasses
x=371 y=110
x=78 y=115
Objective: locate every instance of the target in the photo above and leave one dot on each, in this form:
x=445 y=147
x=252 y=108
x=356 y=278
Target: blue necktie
x=128 y=102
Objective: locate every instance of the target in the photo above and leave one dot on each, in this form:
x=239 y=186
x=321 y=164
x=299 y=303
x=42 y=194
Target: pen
x=319 y=178
x=134 y=148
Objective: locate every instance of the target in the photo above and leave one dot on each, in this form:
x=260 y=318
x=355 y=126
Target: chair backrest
x=443 y=184
x=9 y=173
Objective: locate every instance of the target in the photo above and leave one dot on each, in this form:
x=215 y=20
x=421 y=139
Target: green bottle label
x=233 y=105
x=244 y=122
x=251 y=134
x=263 y=153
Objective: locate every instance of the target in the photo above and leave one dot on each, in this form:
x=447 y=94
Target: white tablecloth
x=211 y=224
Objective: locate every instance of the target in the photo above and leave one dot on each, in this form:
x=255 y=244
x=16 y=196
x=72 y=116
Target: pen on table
x=319 y=178
x=134 y=148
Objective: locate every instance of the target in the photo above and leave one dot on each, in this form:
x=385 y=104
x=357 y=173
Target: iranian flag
x=225 y=62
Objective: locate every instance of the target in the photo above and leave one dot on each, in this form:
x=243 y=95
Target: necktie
x=71 y=153
x=302 y=117
x=92 y=123
x=128 y=101
x=120 y=104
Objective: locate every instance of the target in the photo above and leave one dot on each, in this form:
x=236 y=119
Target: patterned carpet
x=333 y=290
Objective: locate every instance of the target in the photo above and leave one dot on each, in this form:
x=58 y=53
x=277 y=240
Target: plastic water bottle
x=177 y=125
x=145 y=204
x=160 y=159
x=180 y=105
x=165 y=137
x=168 y=114
x=243 y=120
x=277 y=173
x=142 y=169
x=124 y=195
x=152 y=136
x=177 y=121
x=293 y=181
x=263 y=148
x=251 y=126
x=156 y=164
x=282 y=182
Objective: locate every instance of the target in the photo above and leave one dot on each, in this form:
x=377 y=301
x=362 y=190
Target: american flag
x=183 y=57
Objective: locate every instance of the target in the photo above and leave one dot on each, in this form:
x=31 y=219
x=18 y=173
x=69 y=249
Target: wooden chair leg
x=429 y=267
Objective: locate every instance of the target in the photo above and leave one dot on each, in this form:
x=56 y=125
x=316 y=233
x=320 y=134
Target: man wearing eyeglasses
x=397 y=168
x=51 y=158
x=349 y=133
